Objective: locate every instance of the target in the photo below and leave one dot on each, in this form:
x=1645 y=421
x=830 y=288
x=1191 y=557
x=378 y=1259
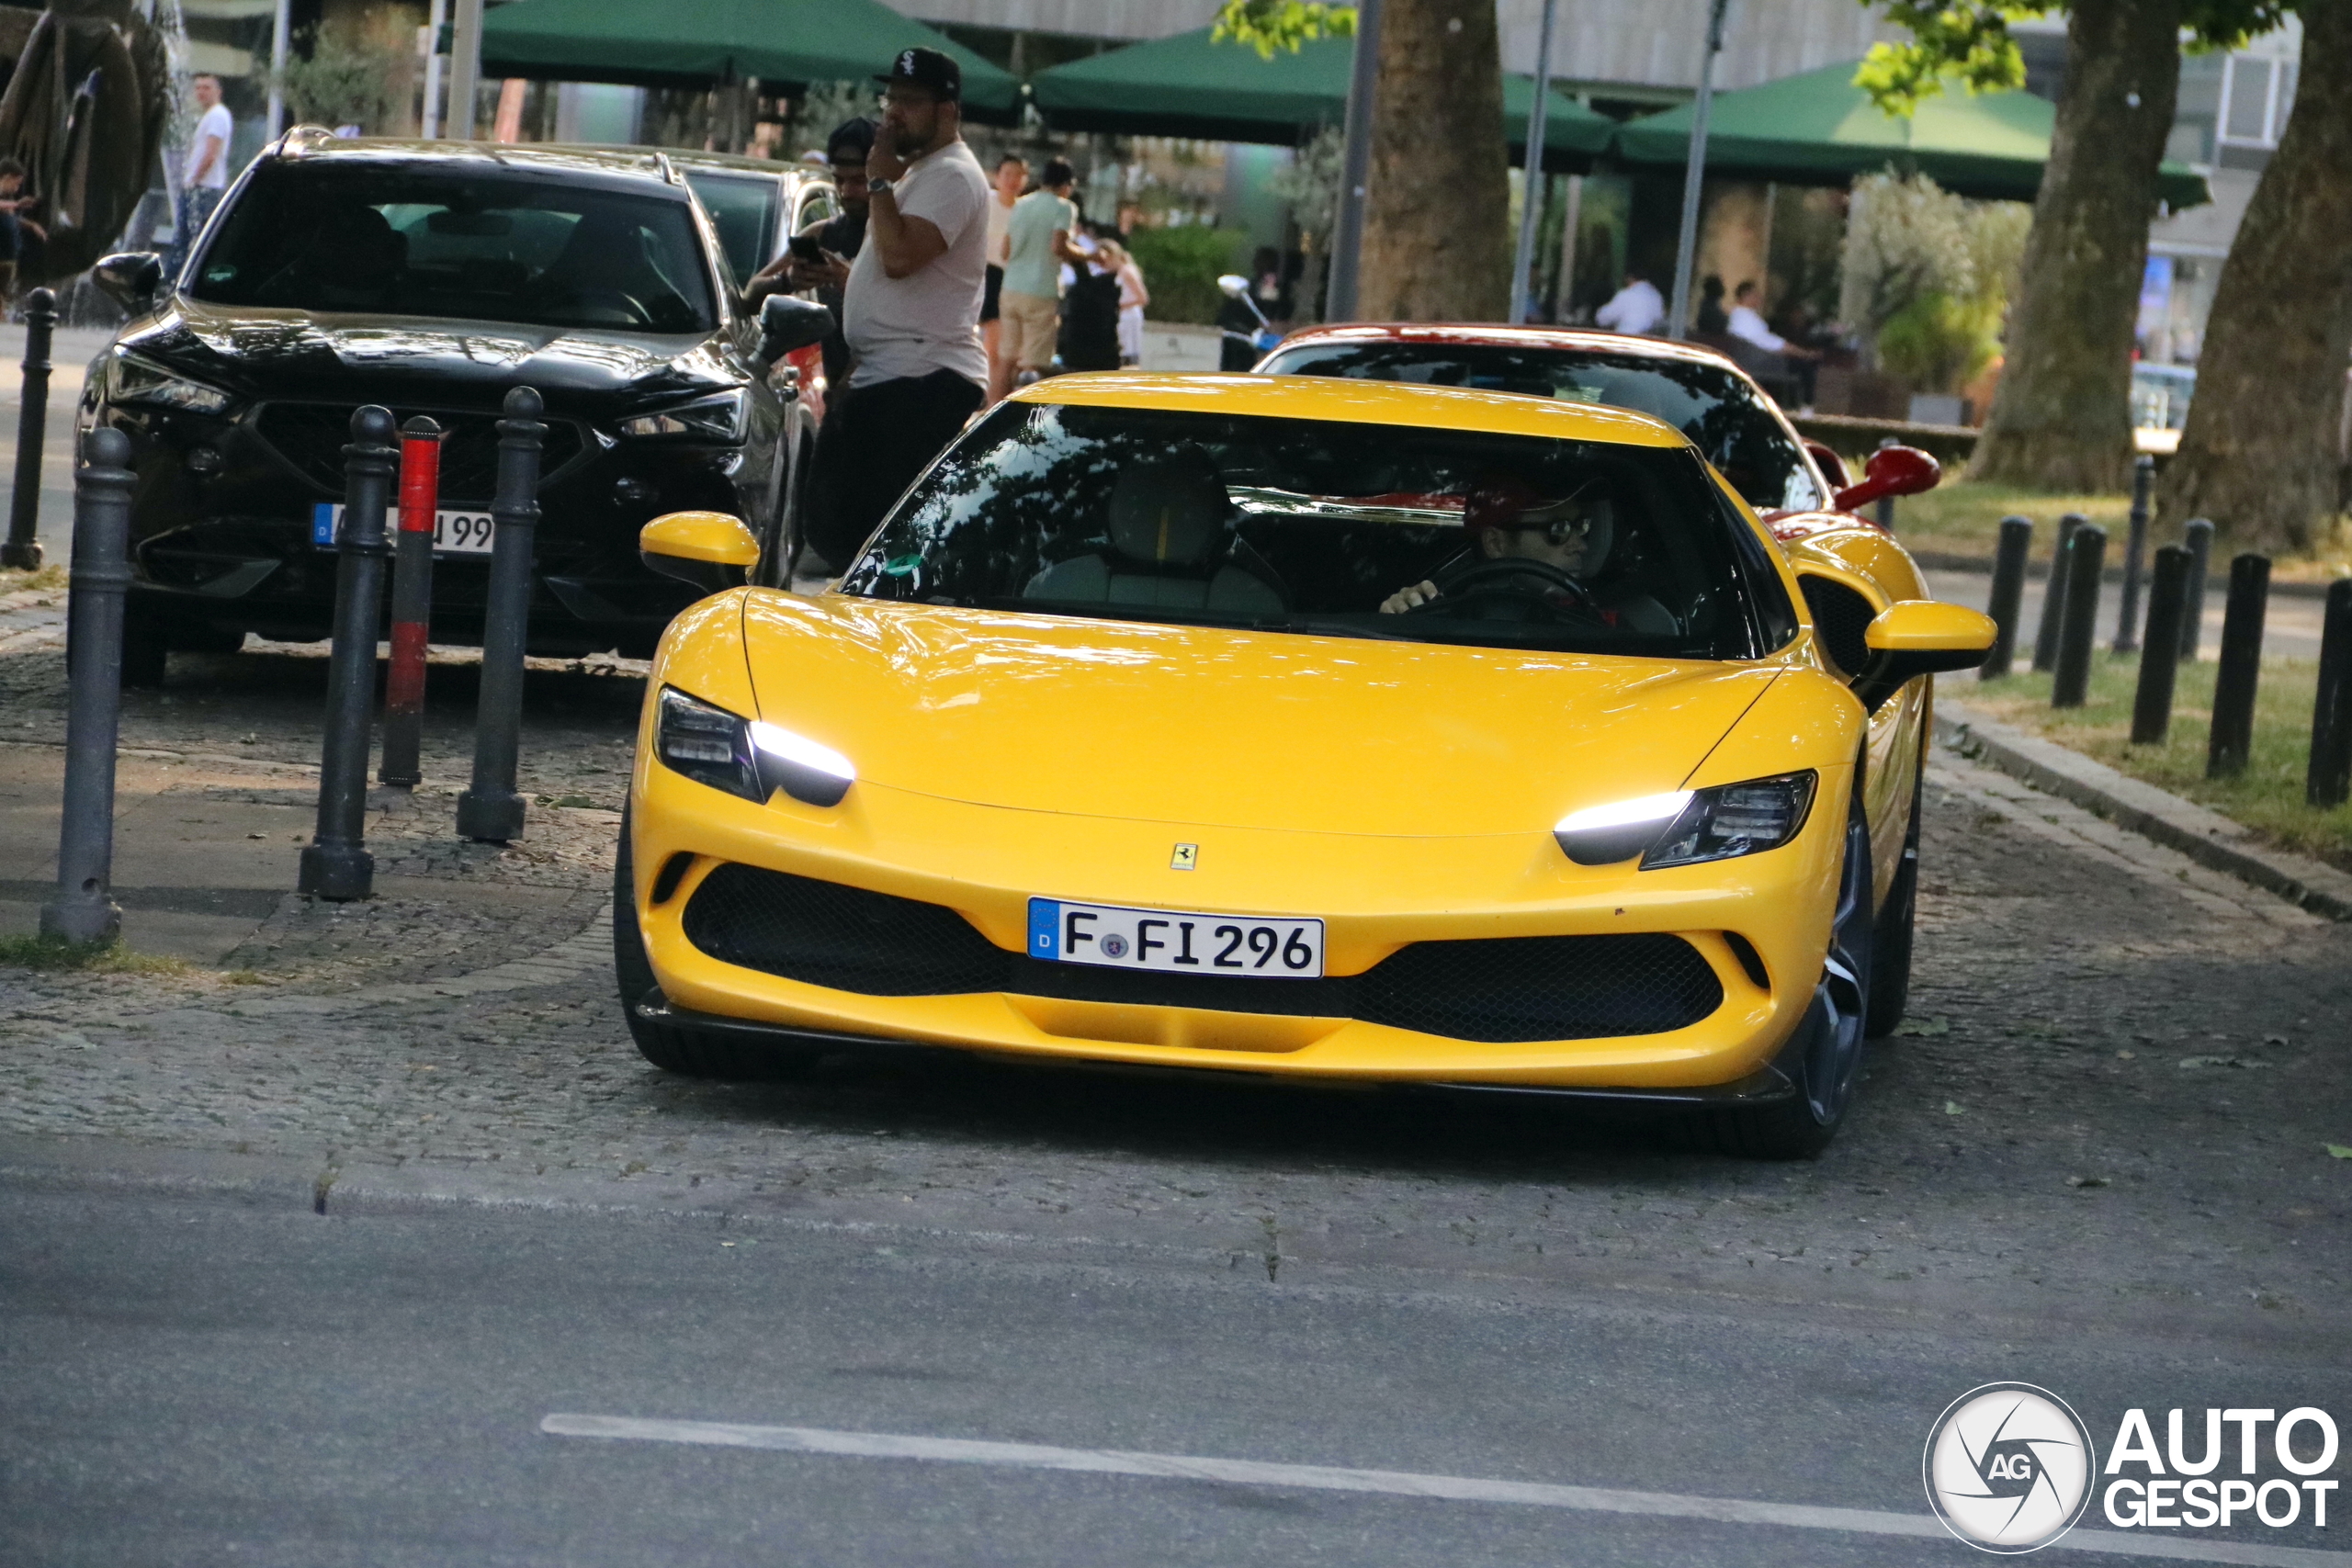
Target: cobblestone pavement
x=2115 y=1095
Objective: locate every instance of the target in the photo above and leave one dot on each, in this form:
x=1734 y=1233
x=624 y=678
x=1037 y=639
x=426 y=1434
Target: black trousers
x=873 y=442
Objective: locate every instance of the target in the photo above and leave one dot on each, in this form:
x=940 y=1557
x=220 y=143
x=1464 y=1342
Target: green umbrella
x=1819 y=128
x=691 y=42
x=1186 y=86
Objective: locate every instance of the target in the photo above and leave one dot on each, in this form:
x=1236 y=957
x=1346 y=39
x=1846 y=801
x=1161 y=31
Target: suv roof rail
x=669 y=171
x=297 y=137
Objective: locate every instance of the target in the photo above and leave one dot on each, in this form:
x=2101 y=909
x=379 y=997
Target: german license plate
x=454 y=533
x=1175 y=941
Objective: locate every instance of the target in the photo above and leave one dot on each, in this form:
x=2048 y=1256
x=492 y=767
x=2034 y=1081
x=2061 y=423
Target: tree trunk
x=2062 y=417
x=2260 y=455
x=1437 y=219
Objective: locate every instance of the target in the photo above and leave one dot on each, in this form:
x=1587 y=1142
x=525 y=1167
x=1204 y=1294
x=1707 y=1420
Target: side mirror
x=1891 y=470
x=708 y=550
x=129 y=279
x=1920 y=636
x=1832 y=467
x=1233 y=285
x=788 y=322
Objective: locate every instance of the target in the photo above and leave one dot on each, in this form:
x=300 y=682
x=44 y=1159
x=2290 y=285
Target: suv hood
x=1230 y=729
x=408 y=359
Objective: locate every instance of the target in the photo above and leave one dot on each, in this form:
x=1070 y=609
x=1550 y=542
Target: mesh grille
x=311 y=436
x=846 y=938
x=1497 y=989
x=1840 y=616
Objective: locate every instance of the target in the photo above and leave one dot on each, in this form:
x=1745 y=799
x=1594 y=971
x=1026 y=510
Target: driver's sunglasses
x=1561 y=532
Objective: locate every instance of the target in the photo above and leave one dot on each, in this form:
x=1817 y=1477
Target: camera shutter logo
x=2009 y=1467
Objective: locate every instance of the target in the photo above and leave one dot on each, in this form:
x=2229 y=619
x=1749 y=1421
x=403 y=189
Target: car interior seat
x=1171 y=545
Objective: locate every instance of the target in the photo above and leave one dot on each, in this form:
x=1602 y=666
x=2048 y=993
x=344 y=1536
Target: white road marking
x=1390 y=1483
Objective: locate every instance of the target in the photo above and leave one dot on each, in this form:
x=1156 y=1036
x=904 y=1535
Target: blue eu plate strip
x=1045 y=929
x=322 y=524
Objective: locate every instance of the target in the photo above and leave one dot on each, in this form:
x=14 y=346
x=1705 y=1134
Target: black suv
x=431 y=277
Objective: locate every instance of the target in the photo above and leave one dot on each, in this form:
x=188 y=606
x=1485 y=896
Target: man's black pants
x=873 y=442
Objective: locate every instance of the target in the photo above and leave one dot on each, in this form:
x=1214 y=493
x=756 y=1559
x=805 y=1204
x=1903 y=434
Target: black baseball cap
x=853 y=136
x=929 y=68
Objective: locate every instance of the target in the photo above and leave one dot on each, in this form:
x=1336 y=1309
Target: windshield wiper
x=1307 y=628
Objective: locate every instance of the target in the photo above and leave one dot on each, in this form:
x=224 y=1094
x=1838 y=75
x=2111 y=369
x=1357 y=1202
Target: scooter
x=1248 y=337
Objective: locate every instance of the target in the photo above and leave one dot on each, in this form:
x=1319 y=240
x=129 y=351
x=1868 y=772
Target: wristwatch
x=880 y=187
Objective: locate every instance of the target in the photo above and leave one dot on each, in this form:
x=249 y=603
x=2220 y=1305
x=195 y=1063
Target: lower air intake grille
x=1498 y=989
x=311 y=436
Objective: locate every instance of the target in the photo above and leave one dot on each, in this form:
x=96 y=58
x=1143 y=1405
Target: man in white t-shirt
x=204 y=174
x=1747 y=323
x=911 y=312
x=1636 y=307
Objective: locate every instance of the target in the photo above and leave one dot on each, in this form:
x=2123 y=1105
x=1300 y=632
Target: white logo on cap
x=907 y=63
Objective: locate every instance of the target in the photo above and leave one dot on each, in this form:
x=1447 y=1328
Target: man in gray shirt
x=911 y=310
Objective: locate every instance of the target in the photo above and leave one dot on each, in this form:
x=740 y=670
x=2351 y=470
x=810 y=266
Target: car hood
x=1231 y=728
x=406 y=359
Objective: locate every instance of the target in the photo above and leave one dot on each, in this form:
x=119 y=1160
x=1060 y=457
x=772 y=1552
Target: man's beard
x=908 y=143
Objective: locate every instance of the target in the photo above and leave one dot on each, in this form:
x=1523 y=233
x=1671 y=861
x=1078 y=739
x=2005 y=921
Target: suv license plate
x=454 y=533
x=1175 y=941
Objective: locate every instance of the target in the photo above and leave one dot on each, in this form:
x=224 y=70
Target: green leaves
x=1969 y=42
x=1269 y=25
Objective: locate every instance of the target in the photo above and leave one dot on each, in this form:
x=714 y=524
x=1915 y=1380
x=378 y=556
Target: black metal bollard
x=84 y=909
x=1882 y=509
x=335 y=863
x=2232 y=741
x=23 y=549
x=491 y=811
x=2008 y=587
x=2198 y=539
x=2135 y=553
x=2329 y=781
x=412 y=603
x=2053 y=594
x=2078 y=633
x=2159 y=659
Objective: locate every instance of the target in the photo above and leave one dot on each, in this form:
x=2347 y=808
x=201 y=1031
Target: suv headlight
x=1685 y=826
x=142 y=381
x=745 y=757
x=721 y=418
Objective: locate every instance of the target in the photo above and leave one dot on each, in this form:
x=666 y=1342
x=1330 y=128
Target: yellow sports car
x=1281 y=724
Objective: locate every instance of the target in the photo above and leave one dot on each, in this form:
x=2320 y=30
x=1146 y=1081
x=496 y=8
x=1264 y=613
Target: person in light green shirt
x=1038 y=240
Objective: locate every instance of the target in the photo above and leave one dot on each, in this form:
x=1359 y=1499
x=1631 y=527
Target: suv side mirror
x=708 y=550
x=1891 y=470
x=788 y=322
x=129 y=279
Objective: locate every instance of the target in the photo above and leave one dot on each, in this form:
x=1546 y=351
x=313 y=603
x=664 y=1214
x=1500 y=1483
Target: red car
x=1798 y=487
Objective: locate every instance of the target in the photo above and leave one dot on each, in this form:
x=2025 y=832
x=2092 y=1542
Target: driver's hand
x=1405 y=599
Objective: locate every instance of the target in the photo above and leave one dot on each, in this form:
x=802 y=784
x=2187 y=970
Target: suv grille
x=311 y=436
x=1494 y=990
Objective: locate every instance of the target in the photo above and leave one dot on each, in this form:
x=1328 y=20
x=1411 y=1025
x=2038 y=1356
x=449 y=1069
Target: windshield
x=1723 y=416
x=415 y=240
x=1332 y=528
x=742 y=209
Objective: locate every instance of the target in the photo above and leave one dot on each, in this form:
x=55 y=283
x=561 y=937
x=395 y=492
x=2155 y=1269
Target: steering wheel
x=1492 y=579
x=615 y=300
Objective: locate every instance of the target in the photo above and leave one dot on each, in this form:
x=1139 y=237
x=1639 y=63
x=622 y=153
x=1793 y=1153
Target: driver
x=1509 y=520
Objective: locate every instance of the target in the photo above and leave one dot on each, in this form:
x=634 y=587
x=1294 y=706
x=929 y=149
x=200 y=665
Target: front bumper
x=1375 y=896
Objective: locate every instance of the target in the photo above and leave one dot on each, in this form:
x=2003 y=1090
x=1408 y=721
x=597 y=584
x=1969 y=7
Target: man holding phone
x=818 y=256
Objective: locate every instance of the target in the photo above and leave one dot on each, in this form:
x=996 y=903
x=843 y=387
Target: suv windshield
x=743 y=208
x=1333 y=529
x=1723 y=416
x=393 y=240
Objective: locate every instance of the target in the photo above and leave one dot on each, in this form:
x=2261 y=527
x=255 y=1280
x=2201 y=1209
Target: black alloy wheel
x=1826 y=1064
x=690 y=1053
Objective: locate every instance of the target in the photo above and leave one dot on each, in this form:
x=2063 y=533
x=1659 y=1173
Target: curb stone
x=2206 y=837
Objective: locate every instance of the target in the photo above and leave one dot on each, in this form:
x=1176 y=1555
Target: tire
x=690 y=1053
x=146 y=650
x=1891 y=941
x=1829 y=1060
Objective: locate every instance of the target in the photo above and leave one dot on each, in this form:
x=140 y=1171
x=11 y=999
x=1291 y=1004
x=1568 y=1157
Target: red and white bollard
x=412 y=602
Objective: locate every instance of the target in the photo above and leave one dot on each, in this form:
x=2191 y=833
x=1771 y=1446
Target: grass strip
x=54 y=954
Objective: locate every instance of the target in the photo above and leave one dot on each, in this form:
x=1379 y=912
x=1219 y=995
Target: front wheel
x=690 y=1052
x=1828 y=1042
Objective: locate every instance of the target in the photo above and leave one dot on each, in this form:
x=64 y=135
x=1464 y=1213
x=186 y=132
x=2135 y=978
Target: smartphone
x=804 y=247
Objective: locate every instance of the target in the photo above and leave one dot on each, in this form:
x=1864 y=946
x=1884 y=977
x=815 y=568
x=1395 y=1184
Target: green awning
x=1186 y=86
x=697 y=42
x=1819 y=128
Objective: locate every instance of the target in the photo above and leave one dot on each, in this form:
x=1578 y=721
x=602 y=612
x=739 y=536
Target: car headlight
x=745 y=757
x=720 y=417
x=137 y=381
x=1685 y=826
